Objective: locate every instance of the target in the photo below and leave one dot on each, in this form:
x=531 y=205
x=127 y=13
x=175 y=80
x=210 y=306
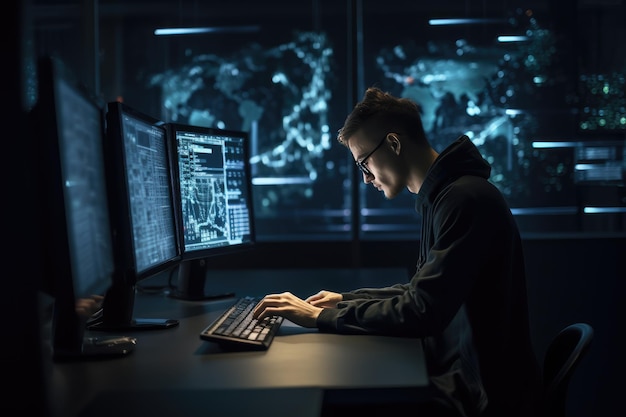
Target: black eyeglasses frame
x=361 y=164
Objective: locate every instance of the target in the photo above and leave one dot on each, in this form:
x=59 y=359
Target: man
x=467 y=300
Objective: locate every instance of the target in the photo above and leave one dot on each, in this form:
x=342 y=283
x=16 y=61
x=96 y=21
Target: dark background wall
x=574 y=280
x=21 y=356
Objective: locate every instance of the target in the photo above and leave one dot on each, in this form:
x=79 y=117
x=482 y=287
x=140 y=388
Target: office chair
x=562 y=357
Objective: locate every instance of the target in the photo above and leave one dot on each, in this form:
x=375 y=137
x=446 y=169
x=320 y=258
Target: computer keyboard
x=236 y=329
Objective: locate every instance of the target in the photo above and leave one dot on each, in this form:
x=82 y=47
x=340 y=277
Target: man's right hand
x=325 y=299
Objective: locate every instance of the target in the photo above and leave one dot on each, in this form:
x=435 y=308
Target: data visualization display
x=149 y=187
x=214 y=188
x=142 y=192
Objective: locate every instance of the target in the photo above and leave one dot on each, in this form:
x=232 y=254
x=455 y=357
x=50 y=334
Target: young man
x=467 y=300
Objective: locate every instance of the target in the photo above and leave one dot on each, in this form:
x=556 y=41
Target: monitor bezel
x=119 y=194
x=205 y=253
x=51 y=74
x=68 y=340
x=195 y=265
x=118 y=308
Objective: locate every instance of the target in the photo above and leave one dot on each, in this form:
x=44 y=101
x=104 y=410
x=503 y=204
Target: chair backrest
x=564 y=353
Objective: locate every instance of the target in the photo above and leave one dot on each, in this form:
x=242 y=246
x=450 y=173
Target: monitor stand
x=191 y=282
x=95 y=348
x=69 y=342
x=117 y=312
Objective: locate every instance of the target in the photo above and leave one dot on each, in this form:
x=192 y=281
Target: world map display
x=501 y=96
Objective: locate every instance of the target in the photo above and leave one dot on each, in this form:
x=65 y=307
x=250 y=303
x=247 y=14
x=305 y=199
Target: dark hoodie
x=467 y=300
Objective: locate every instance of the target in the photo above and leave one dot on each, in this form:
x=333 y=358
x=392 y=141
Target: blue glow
x=602 y=210
x=443 y=22
x=386 y=227
x=548 y=145
x=512 y=38
x=281 y=180
x=208 y=29
x=585 y=167
x=529 y=211
x=372 y=212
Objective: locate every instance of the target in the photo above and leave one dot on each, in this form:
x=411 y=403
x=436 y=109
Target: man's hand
x=325 y=299
x=290 y=307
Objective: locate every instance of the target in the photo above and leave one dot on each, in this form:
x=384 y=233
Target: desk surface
x=173 y=366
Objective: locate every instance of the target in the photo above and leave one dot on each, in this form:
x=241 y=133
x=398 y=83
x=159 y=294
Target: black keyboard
x=236 y=329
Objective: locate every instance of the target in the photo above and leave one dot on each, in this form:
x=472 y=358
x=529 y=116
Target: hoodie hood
x=460 y=158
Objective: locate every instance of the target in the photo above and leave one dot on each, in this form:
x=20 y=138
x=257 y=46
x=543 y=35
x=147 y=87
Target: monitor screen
x=142 y=210
x=214 y=190
x=77 y=237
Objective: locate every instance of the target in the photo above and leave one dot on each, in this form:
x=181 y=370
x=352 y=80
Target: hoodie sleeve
x=369 y=293
x=464 y=217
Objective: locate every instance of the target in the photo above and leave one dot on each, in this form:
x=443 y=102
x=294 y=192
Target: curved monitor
x=142 y=211
x=77 y=235
x=214 y=195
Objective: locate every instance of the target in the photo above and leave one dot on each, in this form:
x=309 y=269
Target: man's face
x=378 y=162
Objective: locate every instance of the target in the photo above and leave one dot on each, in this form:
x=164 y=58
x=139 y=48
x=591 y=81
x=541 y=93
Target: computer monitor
x=142 y=212
x=77 y=251
x=214 y=194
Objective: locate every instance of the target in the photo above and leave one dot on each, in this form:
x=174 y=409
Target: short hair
x=379 y=110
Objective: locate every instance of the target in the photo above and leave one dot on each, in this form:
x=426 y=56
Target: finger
x=258 y=309
x=261 y=307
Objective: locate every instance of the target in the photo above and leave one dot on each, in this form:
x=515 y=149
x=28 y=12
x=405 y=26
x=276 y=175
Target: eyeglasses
x=362 y=163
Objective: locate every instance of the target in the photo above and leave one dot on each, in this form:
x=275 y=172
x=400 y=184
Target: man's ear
x=395 y=144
